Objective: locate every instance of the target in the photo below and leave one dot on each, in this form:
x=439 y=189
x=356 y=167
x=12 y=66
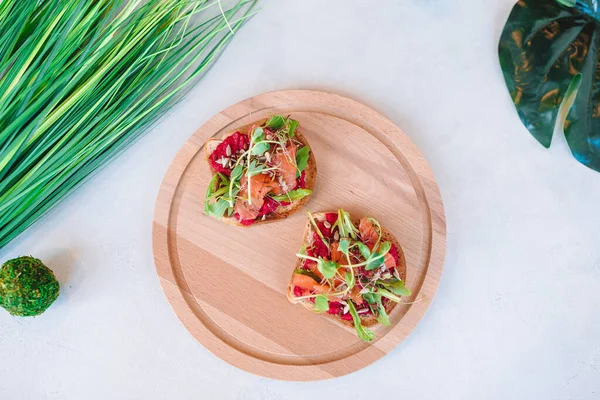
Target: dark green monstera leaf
x=548 y=53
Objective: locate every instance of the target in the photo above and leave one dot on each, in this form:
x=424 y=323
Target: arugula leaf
x=385 y=248
x=259 y=148
x=302 y=159
x=350 y=278
x=371 y=297
x=235 y=176
x=389 y=295
x=364 y=250
x=224 y=180
x=220 y=192
x=321 y=304
x=375 y=298
x=327 y=268
x=212 y=186
x=377 y=258
x=374 y=261
x=292 y=125
x=230 y=198
x=344 y=246
x=217 y=209
x=396 y=287
x=236 y=173
x=276 y=122
x=363 y=333
x=293 y=195
x=382 y=315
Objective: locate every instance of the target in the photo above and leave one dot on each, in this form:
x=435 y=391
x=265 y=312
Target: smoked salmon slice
x=312 y=267
x=367 y=233
x=286 y=172
x=308 y=283
x=260 y=185
x=389 y=260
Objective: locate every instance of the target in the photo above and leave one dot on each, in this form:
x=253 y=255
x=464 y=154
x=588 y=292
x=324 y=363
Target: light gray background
x=517 y=311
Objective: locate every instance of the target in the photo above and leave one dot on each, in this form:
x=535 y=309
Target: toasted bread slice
x=367 y=320
x=281 y=212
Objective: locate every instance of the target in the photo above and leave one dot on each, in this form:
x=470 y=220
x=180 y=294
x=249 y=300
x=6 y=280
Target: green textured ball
x=27 y=287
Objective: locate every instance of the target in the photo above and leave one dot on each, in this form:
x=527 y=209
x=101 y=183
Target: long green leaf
x=82 y=81
x=548 y=53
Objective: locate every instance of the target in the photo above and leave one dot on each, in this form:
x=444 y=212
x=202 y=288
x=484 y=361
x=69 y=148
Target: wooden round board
x=228 y=284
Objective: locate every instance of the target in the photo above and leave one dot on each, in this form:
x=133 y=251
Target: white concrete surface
x=517 y=314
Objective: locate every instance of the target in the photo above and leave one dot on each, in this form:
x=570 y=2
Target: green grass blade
x=82 y=81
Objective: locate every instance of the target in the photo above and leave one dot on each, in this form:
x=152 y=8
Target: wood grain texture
x=228 y=284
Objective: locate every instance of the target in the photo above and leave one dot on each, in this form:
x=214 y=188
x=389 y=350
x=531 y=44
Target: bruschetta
x=261 y=173
x=349 y=269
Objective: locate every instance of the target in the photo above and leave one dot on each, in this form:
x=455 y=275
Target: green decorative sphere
x=27 y=287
